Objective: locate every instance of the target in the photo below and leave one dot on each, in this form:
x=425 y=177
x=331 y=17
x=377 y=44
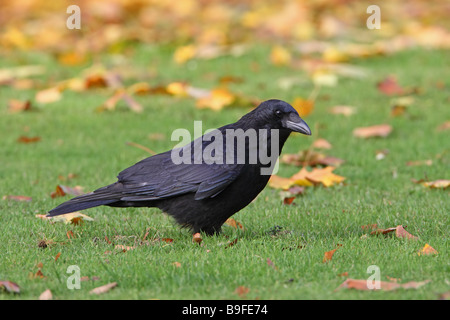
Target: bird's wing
x=158 y=177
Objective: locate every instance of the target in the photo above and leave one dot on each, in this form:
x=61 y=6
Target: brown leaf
x=25 y=139
x=427 y=250
x=233 y=223
x=389 y=86
x=321 y=144
x=384 y=285
x=382 y=130
x=17 y=198
x=328 y=255
x=400 y=232
x=9 y=286
x=103 y=289
x=197 y=238
x=62 y=190
x=57 y=256
x=15 y=106
x=242 y=291
x=288 y=200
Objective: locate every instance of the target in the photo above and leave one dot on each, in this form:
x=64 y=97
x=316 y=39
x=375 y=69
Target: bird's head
x=281 y=115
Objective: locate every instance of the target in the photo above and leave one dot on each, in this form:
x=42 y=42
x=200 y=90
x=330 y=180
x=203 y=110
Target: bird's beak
x=296 y=124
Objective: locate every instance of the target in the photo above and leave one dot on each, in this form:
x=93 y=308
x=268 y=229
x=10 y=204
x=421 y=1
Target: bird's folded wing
x=158 y=177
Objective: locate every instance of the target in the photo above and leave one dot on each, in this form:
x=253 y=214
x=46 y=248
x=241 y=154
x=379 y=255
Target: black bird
x=201 y=190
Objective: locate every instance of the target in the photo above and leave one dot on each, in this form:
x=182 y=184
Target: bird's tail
x=103 y=196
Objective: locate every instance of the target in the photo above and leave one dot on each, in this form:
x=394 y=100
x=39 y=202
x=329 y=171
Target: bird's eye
x=278 y=113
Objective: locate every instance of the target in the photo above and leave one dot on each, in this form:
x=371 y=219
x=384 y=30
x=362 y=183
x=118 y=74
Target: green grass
x=76 y=139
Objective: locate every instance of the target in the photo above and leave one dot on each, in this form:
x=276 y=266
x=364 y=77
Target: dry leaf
x=400 y=232
x=103 y=289
x=321 y=144
x=280 y=56
x=46 y=295
x=384 y=285
x=216 y=100
x=437 y=184
x=9 y=286
x=324 y=176
x=197 y=238
x=427 y=250
x=184 y=54
x=328 y=255
x=176 y=264
x=344 y=110
x=15 y=106
x=382 y=130
x=444 y=126
x=17 y=198
x=389 y=86
x=242 y=291
x=303 y=106
x=233 y=223
x=25 y=139
x=62 y=190
x=48 y=95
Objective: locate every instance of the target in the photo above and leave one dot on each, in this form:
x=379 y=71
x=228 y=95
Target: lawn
x=279 y=253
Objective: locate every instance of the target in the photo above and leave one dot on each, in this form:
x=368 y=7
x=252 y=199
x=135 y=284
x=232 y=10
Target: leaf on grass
x=344 y=110
x=280 y=56
x=271 y=264
x=46 y=295
x=428 y=162
x=242 y=291
x=382 y=130
x=103 y=289
x=444 y=126
x=57 y=256
x=62 y=190
x=329 y=254
x=427 y=250
x=197 y=238
x=9 y=286
x=389 y=86
x=233 y=223
x=216 y=100
x=176 y=264
x=15 y=106
x=184 y=53
x=303 y=106
x=437 y=184
x=17 y=198
x=321 y=144
x=400 y=232
x=278 y=182
x=48 y=95
x=324 y=176
x=363 y=284
x=124 y=248
x=25 y=139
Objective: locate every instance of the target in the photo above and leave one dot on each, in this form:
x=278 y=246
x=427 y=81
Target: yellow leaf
x=73 y=217
x=278 y=182
x=48 y=95
x=184 y=54
x=303 y=107
x=324 y=176
x=216 y=100
x=177 y=89
x=427 y=250
x=280 y=56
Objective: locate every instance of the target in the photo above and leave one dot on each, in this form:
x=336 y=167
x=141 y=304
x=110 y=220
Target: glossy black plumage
x=203 y=195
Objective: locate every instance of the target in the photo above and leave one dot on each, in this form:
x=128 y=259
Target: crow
x=208 y=180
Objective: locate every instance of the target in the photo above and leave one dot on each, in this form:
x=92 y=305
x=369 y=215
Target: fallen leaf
x=321 y=144
x=9 y=286
x=25 y=139
x=57 y=256
x=15 y=106
x=382 y=130
x=437 y=184
x=280 y=56
x=17 y=198
x=271 y=264
x=62 y=190
x=344 y=110
x=197 y=238
x=324 y=176
x=48 y=95
x=303 y=106
x=103 y=289
x=216 y=100
x=428 y=162
x=233 y=223
x=46 y=295
x=358 y=284
x=124 y=248
x=288 y=200
x=444 y=126
x=389 y=86
x=427 y=250
x=400 y=232
x=328 y=255
x=184 y=54
x=176 y=264
x=242 y=291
